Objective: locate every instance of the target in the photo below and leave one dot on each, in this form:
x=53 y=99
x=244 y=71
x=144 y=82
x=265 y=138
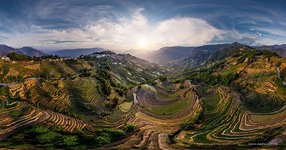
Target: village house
x=5 y=58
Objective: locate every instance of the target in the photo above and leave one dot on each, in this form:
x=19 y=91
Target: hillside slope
x=77 y=52
x=31 y=51
x=4 y=49
x=118 y=101
x=258 y=75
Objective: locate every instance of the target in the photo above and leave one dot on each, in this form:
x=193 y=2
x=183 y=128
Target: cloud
x=56 y=24
x=186 y=32
x=129 y=32
x=123 y=33
x=59 y=41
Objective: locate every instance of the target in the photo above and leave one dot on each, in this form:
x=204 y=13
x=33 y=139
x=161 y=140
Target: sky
x=140 y=24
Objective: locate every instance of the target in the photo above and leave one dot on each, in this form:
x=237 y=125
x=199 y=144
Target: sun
x=142 y=43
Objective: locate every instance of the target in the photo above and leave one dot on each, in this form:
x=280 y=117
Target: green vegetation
x=207 y=76
x=15 y=79
x=171 y=108
x=104 y=78
x=4 y=71
x=18 y=57
x=56 y=137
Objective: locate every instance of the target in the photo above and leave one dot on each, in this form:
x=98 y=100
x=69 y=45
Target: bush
x=15 y=114
x=130 y=128
x=163 y=78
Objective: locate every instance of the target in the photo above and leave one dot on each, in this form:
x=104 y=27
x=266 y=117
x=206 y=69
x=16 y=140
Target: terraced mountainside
x=68 y=93
x=259 y=75
x=118 y=101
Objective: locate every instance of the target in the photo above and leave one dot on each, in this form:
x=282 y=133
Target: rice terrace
x=142 y=74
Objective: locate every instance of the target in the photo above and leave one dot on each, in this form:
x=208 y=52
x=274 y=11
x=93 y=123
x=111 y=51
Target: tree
x=49 y=137
x=40 y=129
x=69 y=140
x=18 y=57
x=130 y=128
x=102 y=140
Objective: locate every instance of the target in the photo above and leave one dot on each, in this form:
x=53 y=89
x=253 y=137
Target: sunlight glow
x=143 y=44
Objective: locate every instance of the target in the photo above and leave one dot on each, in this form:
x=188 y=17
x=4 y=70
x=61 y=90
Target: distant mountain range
x=4 y=50
x=30 y=51
x=199 y=55
x=77 y=52
x=165 y=55
x=208 y=54
x=279 y=49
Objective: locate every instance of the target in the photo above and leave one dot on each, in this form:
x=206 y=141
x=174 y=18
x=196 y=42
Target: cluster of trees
x=223 y=79
x=56 y=137
x=106 y=82
x=163 y=78
x=88 y=57
x=15 y=78
x=45 y=74
x=84 y=72
x=247 y=55
x=104 y=79
x=49 y=56
x=108 y=135
x=269 y=54
x=4 y=90
x=206 y=76
x=121 y=90
x=112 y=103
x=18 y=57
x=250 y=55
x=51 y=137
x=21 y=57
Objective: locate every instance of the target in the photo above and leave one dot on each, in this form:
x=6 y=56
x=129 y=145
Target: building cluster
x=5 y=58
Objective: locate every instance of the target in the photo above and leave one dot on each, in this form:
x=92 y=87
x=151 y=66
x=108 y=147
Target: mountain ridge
x=77 y=52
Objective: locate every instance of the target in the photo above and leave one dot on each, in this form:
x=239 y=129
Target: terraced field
x=158 y=113
x=18 y=115
x=153 y=128
x=227 y=123
x=124 y=103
